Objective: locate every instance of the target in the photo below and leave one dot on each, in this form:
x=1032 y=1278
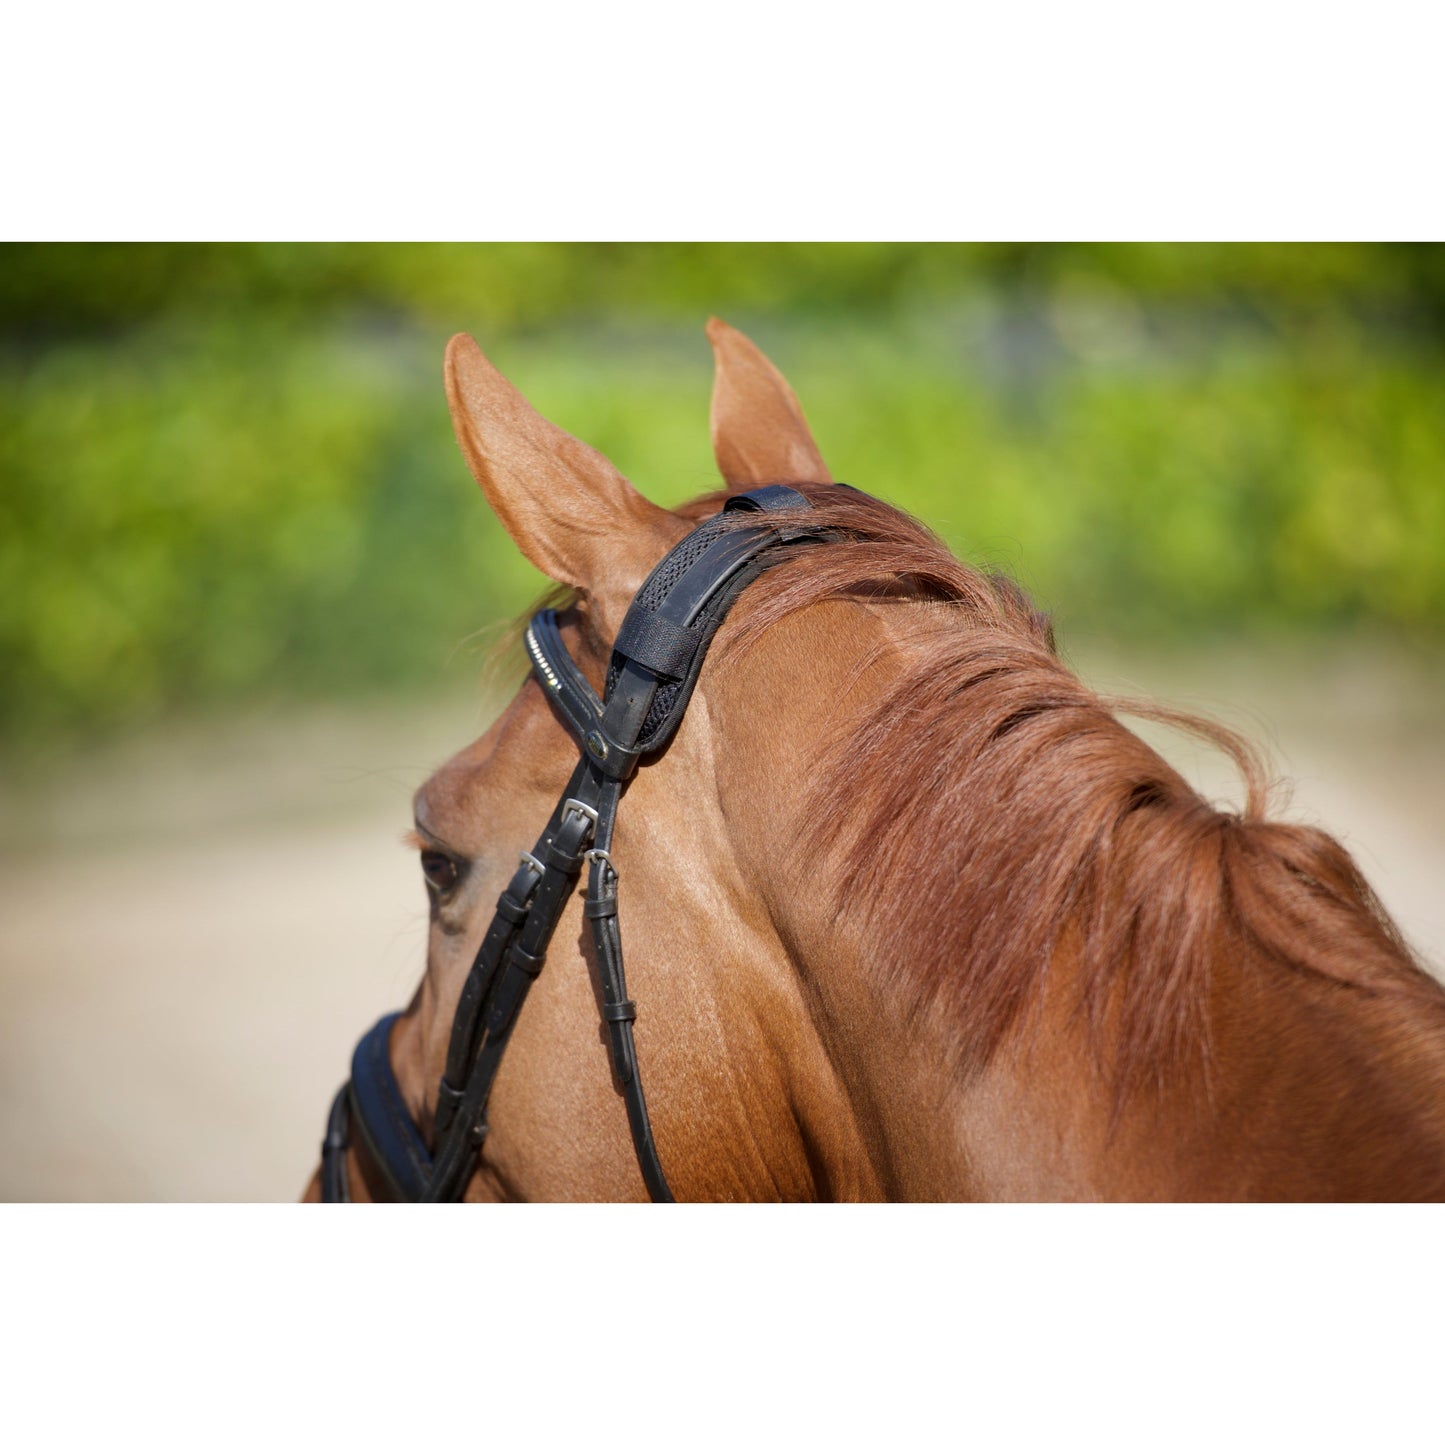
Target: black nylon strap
x=773 y=498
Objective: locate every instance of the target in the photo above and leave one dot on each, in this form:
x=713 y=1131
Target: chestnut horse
x=909 y=914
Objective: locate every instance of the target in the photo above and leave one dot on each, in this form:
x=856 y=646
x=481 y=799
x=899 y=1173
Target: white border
x=723 y=1323
x=773 y=120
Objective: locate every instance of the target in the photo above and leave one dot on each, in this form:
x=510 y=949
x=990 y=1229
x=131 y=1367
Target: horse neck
x=1293 y=1081
x=880 y=1121
x=1295 y=1089
x=1323 y=1089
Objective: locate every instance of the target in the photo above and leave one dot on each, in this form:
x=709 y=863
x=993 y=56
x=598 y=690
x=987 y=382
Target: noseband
x=655 y=662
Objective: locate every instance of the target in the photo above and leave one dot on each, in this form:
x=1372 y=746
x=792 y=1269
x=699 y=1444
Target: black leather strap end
x=510 y=909
x=529 y=963
x=569 y=864
x=448 y=1098
x=624 y=1053
x=615 y=760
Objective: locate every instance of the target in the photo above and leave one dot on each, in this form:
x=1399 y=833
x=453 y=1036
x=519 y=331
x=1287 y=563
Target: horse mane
x=989 y=807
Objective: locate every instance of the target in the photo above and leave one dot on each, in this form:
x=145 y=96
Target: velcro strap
x=773 y=498
x=616 y=1013
x=659 y=645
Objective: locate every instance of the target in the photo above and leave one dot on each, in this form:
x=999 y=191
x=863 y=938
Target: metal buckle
x=571 y=806
x=528 y=861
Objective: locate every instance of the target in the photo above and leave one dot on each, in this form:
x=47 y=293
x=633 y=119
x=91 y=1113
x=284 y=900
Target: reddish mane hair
x=1046 y=821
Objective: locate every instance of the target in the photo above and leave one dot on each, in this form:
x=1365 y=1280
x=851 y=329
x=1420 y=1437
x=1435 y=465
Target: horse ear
x=572 y=514
x=759 y=434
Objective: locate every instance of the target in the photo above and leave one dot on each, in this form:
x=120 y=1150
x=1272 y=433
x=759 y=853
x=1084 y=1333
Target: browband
x=655 y=663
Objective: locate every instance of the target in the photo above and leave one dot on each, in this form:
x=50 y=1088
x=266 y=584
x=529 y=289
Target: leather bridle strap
x=656 y=660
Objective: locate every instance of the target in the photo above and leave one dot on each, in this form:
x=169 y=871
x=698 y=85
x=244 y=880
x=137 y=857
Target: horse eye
x=440 y=870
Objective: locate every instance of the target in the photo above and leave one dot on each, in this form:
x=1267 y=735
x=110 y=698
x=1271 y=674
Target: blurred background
x=248 y=590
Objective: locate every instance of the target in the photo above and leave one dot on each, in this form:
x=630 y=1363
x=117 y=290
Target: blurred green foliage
x=226 y=472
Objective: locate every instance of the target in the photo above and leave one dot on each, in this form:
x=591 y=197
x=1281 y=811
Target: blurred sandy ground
x=195 y=928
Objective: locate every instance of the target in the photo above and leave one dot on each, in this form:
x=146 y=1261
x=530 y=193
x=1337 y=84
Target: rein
x=655 y=662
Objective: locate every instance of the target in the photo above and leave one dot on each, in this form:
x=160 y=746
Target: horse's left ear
x=572 y=514
x=759 y=434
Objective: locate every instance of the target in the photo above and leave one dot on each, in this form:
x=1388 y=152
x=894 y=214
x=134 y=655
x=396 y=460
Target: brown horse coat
x=909 y=914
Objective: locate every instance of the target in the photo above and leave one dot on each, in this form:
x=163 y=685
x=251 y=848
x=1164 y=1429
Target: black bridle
x=656 y=659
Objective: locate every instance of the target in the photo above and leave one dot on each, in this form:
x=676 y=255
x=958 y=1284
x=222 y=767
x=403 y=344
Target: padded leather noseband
x=659 y=652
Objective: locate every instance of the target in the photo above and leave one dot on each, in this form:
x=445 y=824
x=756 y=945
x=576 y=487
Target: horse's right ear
x=572 y=514
x=759 y=433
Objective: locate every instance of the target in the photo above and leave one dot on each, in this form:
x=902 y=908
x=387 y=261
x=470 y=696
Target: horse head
x=907 y=911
